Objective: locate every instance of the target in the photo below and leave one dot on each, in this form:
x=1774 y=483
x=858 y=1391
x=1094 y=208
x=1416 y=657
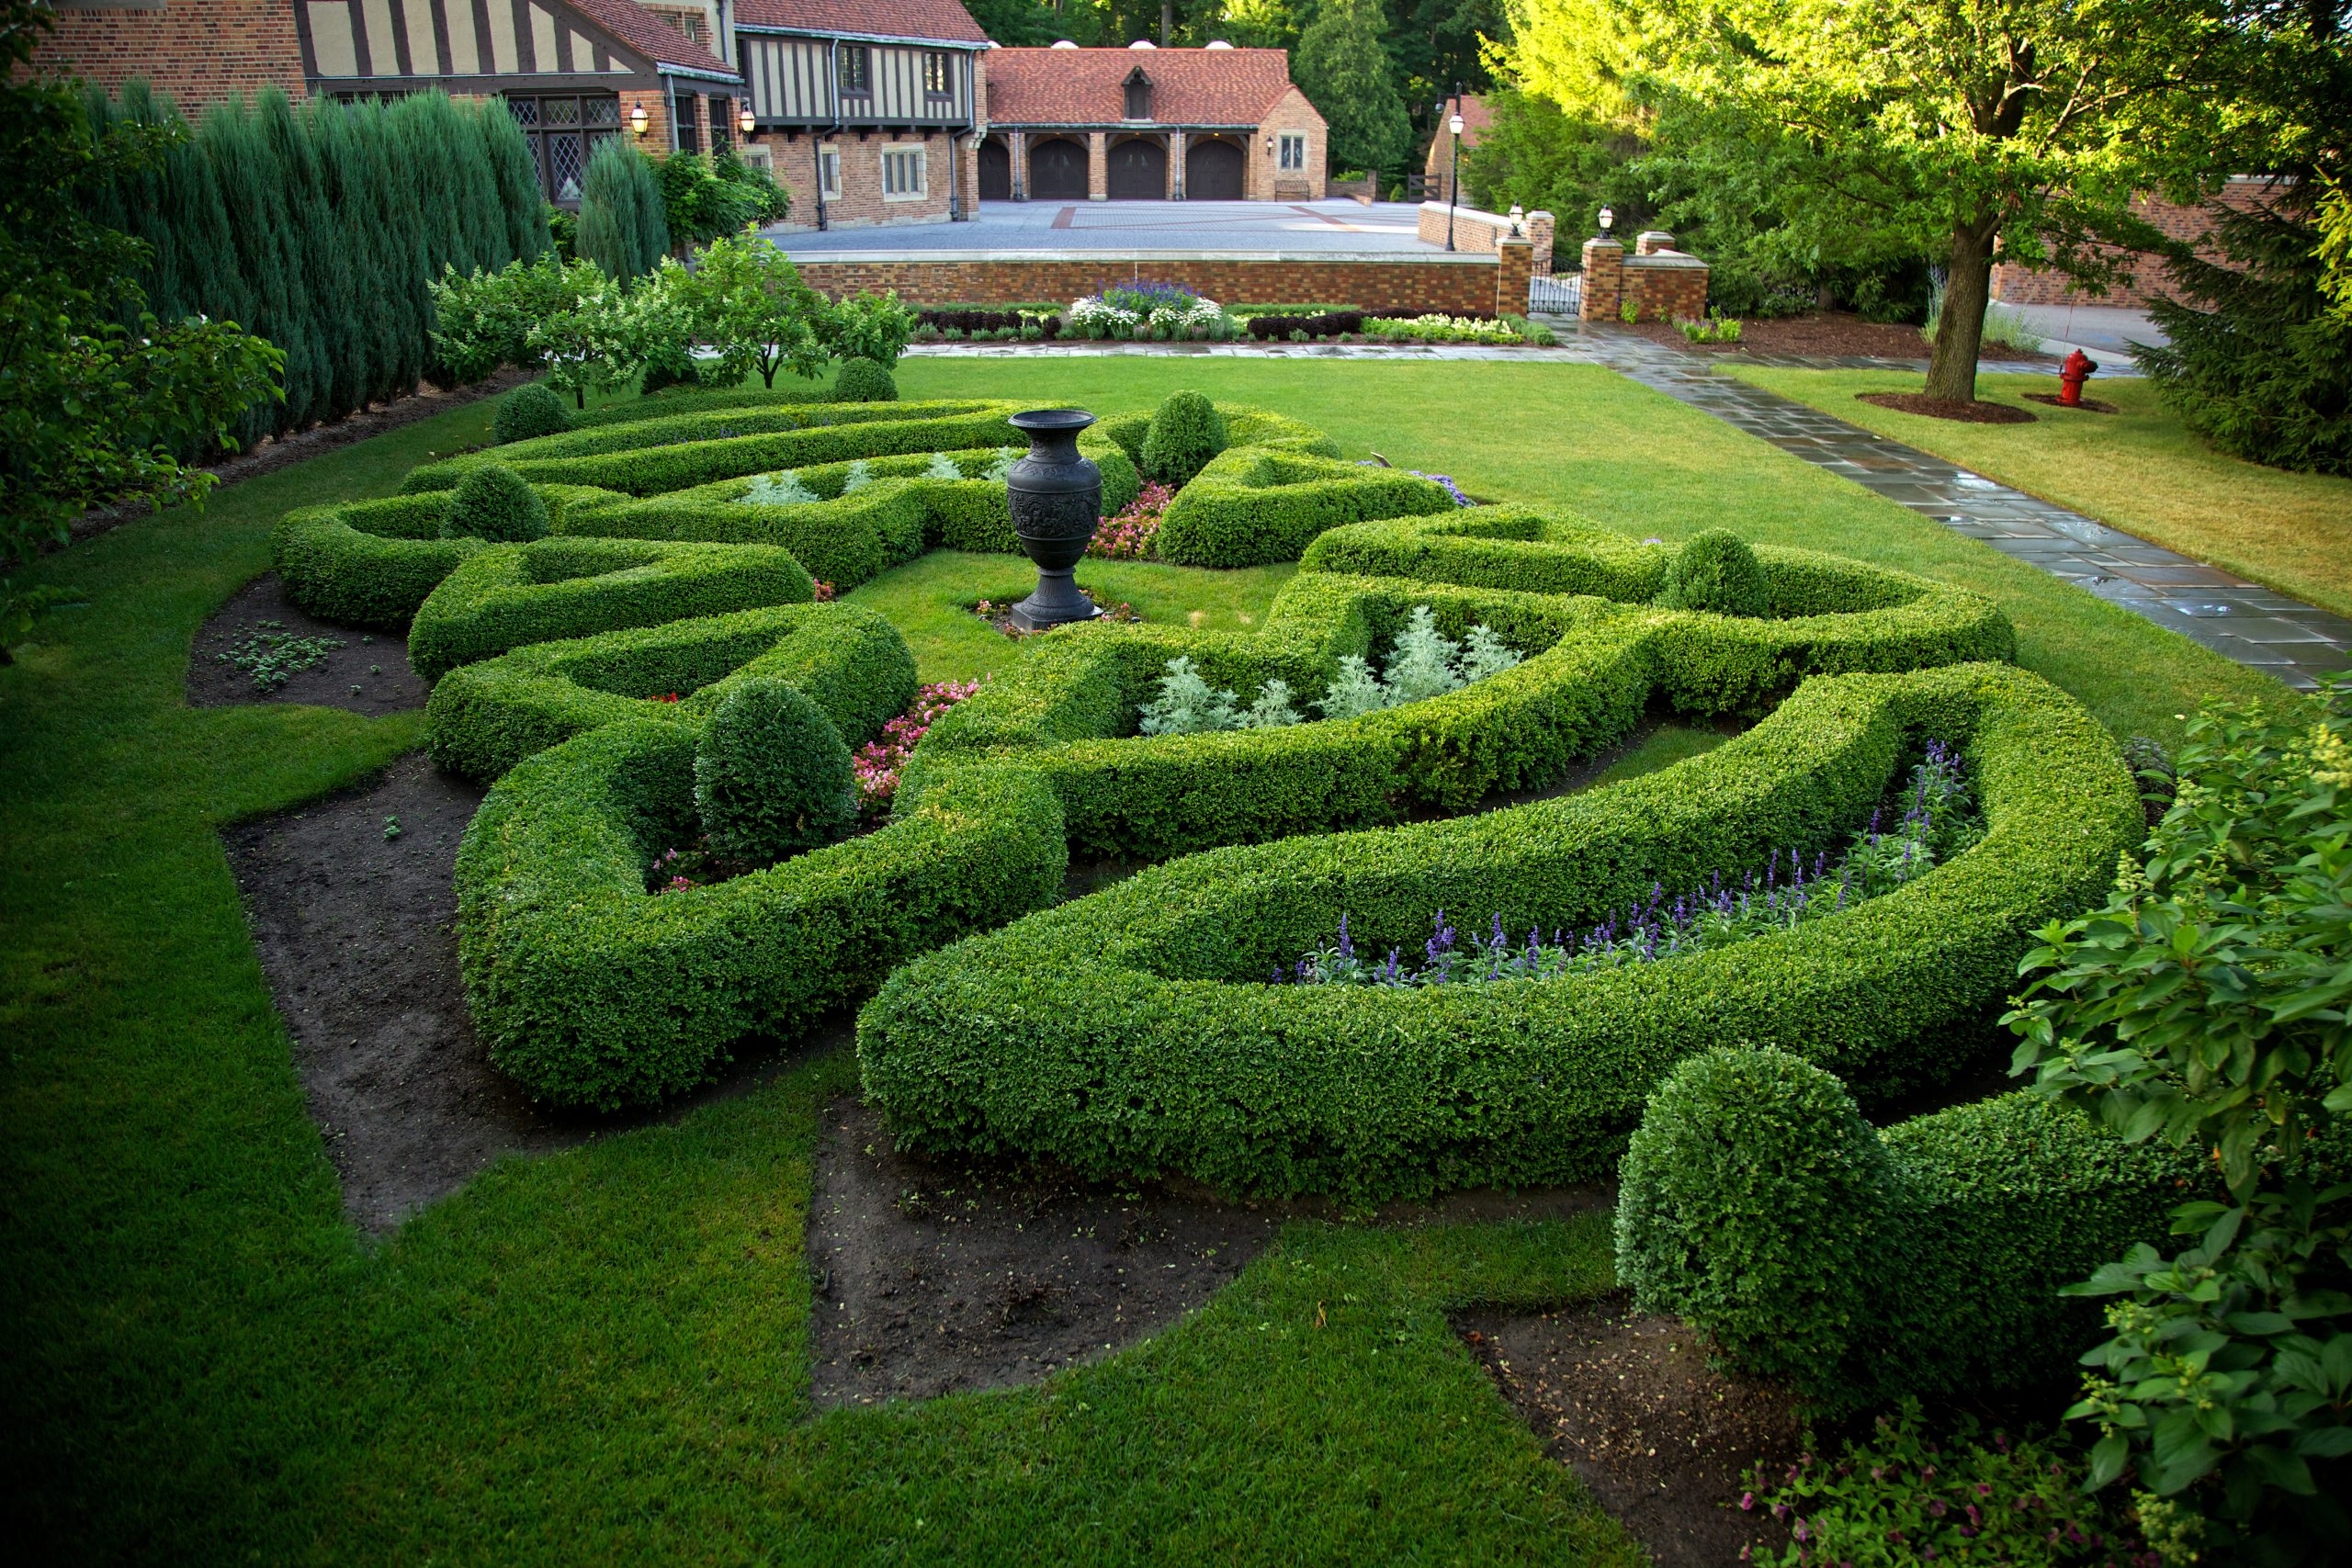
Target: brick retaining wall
x=2146 y=277
x=1403 y=285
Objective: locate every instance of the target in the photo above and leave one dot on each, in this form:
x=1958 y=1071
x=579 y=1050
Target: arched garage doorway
x=996 y=170
x=1057 y=170
x=1138 y=170
x=1213 y=171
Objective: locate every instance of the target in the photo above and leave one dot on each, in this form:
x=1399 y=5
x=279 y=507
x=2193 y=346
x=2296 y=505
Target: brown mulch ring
x=275 y=452
x=1834 y=334
x=1947 y=408
x=2089 y=405
x=340 y=667
x=1628 y=1402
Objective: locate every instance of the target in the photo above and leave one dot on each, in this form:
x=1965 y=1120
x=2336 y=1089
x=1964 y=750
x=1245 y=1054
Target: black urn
x=1055 y=497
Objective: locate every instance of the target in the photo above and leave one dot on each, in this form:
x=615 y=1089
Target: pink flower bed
x=1134 y=533
x=878 y=761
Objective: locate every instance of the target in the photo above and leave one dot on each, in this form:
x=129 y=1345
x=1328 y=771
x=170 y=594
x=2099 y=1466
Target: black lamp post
x=1055 y=497
x=1453 y=174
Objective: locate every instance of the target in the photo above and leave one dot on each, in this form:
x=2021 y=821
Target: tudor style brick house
x=1140 y=123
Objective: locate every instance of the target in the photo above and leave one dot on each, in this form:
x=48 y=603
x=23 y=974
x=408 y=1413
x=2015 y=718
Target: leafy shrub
x=1904 y=1497
x=528 y=412
x=1716 y=571
x=1756 y=1203
x=868 y=326
x=772 y=775
x=1424 y=663
x=865 y=382
x=495 y=505
x=1319 y=324
x=1184 y=435
x=2201 y=1013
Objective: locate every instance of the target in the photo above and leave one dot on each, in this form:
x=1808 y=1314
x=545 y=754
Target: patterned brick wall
x=2015 y=285
x=1477 y=230
x=1666 y=286
x=860 y=203
x=198 y=51
x=1406 y=286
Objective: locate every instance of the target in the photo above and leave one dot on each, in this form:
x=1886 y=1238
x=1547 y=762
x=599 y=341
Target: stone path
x=2256 y=626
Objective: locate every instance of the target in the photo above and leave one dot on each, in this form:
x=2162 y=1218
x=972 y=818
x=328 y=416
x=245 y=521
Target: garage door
x=1057 y=171
x=996 y=172
x=1213 y=172
x=1138 y=171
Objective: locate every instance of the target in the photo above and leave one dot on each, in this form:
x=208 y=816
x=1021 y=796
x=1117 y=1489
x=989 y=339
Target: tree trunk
x=1968 y=289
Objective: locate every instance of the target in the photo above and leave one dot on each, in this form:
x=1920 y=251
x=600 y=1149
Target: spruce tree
x=2264 y=368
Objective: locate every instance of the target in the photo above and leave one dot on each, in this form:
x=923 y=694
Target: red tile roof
x=945 y=21
x=649 y=34
x=1087 y=86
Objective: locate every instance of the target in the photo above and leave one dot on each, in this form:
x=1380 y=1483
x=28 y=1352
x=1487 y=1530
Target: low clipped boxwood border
x=589 y=990
x=1757 y=1205
x=555 y=588
x=371 y=563
x=1130 y=1035
x=1253 y=505
x=483 y=718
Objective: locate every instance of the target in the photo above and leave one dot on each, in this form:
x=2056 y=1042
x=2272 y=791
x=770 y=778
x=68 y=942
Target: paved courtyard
x=1146 y=229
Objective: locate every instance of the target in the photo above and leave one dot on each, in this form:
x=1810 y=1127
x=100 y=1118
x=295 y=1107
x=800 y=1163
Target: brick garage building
x=1141 y=123
x=2015 y=285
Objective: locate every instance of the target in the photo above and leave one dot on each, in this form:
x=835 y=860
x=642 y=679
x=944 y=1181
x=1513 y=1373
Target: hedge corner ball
x=621 y=683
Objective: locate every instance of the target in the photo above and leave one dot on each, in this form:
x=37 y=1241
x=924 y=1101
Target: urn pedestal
x=1056 y=499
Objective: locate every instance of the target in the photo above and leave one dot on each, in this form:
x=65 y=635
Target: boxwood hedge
x=371 y=563
x=1253 y=504
x=505 y=596
x=1756 y=1203
x=1132 y=1033
x=483 y=718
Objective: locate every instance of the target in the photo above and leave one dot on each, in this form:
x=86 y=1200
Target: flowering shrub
x=1143 y=309
x=1134 y=533
x=878 y=761
x=824 y=594
x=1901 y=1499
x=1938 y=823
x=1457 y=328
x=1445 y=479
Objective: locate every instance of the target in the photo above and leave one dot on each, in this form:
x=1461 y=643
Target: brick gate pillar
x=1604 y=279
x=1175 y=165
x=1098 y=165
x=1016 y=147
x=1518 y=264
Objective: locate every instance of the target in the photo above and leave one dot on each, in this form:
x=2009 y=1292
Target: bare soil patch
x=357 y=935
x=934 y=1276
x=366 y=672
x=1627 y=1401
x=1947 y=408
x=2089 y=405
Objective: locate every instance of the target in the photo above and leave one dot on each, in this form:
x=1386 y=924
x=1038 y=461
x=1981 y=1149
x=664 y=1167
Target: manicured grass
x=1664 y=747
x=601 y=1355
x=2137 y=470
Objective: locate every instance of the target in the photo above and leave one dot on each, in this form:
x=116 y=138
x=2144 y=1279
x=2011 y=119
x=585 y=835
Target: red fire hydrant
x=2077 y=369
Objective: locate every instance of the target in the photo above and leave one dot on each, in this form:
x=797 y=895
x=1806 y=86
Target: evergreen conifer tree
x=321 y=249
x=621 y=227
x=253 y=198
x=1343 y=69
x=349 y=179
x=516 y=184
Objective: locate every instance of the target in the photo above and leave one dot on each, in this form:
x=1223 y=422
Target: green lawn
x=602 y=1355
x=2137 y=470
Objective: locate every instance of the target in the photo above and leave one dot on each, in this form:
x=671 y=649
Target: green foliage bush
x=772 y=775
x=371 y=563
x=1249 y=505
x=1757 y=1205
x=1716 y=571
x=485 y=717
x=496 y=506
x=1183 y=435
x=1131 y=1033
x=621 y=225
x=527 y=412
x=551 y=588
x=869 y=326
x=865 y=380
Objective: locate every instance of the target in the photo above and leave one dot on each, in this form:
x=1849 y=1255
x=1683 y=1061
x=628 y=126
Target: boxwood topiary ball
x=1749 y=1201
x=1184 y=433
x=865 y=382
x=1716 y=571
x=494 y=503
x=772 y=775
x=527 y=412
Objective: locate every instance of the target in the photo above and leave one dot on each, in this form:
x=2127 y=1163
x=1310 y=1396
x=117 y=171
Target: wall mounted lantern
x=1607 y=218
x=639 y=121
x=748 y=122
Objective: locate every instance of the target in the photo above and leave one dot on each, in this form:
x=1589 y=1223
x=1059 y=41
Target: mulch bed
x=2089 y=405
x=1627 y=1401
x=1947 y=408
x=362 y=671
x=1834 y=334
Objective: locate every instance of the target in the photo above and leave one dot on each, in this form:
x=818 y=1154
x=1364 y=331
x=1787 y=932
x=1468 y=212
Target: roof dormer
x=1138 y=87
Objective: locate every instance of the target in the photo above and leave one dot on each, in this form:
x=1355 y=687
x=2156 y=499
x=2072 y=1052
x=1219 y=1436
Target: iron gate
x=1559 y=295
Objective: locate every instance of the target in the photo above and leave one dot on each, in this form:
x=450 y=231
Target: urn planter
x=1056 y=499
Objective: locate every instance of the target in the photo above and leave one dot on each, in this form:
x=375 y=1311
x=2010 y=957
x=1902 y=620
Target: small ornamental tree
x=748 y=302
x=869 y=326
x=772 y=775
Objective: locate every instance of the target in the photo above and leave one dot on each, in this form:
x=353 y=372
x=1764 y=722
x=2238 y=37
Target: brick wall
x=2015 y=285
x=860 y=203
x=198 y=51
x=1604 y=279
x=1267 y=183
x=1478 y=231
x=1404 y=287
x=1666 y=286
